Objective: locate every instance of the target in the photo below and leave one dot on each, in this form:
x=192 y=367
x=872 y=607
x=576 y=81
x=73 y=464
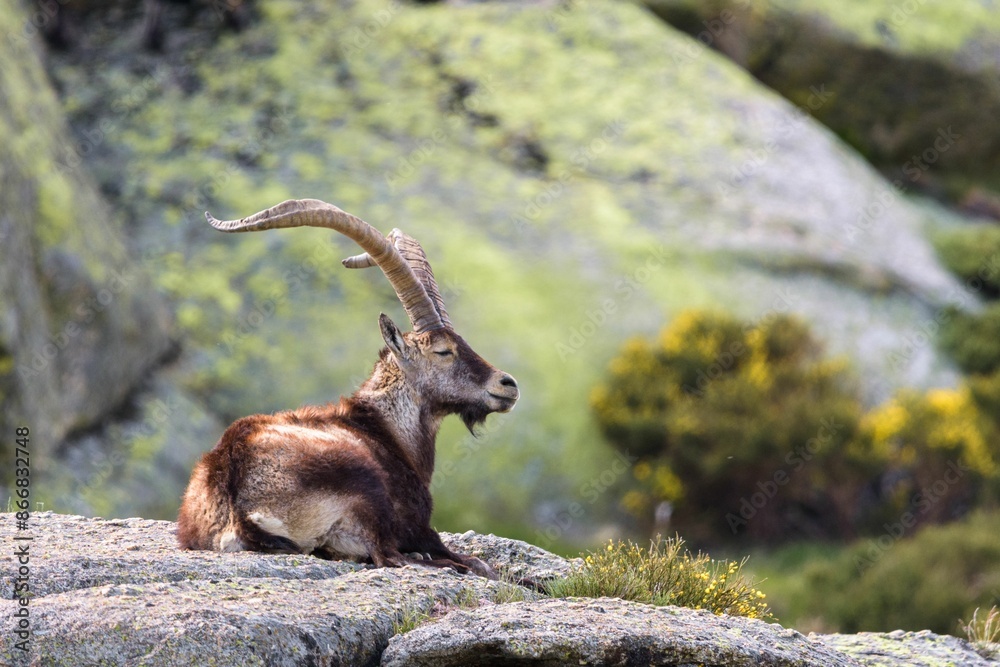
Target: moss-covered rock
x=914 y=86
x=80 y=323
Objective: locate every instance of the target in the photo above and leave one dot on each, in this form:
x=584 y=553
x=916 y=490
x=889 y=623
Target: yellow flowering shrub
x=941 y=455
x=746 y=430
x=715 y=407
x=665 y=573
x=945 y=421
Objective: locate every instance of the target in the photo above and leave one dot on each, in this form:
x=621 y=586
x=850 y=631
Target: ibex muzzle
x=350 y=479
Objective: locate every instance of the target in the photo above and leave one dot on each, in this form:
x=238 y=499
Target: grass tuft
x=664 y=574
x=422 y=609
x=507 y=589
x=984 y=633
x=410 y=617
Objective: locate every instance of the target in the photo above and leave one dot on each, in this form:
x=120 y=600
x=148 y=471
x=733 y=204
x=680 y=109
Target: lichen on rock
x=119 y=592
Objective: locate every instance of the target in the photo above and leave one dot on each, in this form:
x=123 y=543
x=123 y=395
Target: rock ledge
x=119 y=592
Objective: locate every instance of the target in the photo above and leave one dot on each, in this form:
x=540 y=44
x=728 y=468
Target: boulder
x=909 y=649
x=119 y=592
x=914 y=86
x=604 y=631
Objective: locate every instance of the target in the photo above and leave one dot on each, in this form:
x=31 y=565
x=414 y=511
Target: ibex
x=350 y=479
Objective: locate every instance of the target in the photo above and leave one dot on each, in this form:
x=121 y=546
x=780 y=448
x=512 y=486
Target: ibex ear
x=392 y=336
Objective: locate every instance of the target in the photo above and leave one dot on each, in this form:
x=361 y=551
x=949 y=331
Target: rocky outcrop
x=604 y=632
x=917 y=649
x=914 y=86
x=119 y=592
x=80 y=324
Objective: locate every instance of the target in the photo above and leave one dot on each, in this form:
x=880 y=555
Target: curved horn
x=410 y=289
x=413 y=253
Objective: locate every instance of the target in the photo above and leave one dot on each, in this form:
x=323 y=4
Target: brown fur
x=350 y=479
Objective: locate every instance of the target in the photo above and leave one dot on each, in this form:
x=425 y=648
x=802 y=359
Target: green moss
x=915 y=27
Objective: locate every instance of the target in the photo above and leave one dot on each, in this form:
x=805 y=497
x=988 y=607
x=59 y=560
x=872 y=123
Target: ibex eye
x=443 y=353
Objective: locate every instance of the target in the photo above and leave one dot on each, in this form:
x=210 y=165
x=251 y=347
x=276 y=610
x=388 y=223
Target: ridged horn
x=418 y=304
x=414 y=254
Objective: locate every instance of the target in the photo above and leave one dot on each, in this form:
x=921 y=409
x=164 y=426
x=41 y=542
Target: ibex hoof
x=481 y=568
x=419 y=556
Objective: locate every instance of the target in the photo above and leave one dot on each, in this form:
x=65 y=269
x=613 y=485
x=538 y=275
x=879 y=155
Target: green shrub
x=928 y=581
x=973 y=254
x=664 y=574
x=744 y=427
x=973 y=339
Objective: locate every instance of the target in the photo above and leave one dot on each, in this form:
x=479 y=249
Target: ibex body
x=350 y=479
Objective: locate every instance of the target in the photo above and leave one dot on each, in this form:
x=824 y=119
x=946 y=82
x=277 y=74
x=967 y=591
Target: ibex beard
x=350 y=479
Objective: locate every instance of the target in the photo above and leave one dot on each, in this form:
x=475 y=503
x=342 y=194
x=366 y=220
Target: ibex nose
x=507 y=390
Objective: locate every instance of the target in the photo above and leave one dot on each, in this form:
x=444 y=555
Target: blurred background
x=742 y=257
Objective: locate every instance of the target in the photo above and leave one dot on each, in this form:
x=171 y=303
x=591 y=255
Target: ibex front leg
x=430 y=543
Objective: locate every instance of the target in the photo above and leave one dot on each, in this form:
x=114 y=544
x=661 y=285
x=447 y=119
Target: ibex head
x=437 y=363
x=448 y=373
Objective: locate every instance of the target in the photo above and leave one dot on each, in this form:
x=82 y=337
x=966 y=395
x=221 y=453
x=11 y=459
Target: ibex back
x=350 y=479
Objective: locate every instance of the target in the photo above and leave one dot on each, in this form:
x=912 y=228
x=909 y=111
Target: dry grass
x=984 y=632
x=664 y=574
